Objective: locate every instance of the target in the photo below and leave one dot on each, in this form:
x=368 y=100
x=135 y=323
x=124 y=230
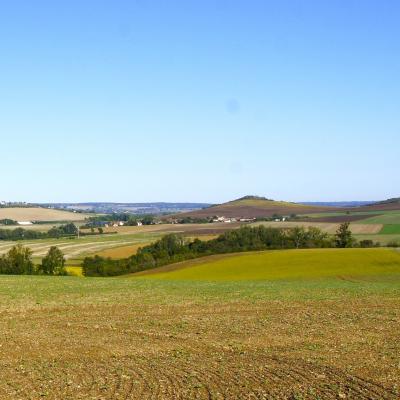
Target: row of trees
x=18 y=261
x=56 y=232
x=8 y=221
x=174 y=248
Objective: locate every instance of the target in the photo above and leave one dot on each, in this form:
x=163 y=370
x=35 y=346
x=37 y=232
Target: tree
x=148 y=220
x=344 y=237
x=299 y=236
x=54 y=262
x=17 y=261
x=317 y=238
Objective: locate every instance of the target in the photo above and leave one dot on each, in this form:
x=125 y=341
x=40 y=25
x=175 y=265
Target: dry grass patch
x=39 y=214
x=123 y=251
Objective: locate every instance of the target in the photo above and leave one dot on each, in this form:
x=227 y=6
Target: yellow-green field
x=74 y=270
x=286 y=264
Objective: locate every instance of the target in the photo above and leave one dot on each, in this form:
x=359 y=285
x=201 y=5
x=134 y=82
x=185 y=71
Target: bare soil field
x=39 y=214
x=75 y=338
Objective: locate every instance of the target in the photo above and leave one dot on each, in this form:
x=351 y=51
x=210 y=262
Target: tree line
x=174 y=248
x=27 y=234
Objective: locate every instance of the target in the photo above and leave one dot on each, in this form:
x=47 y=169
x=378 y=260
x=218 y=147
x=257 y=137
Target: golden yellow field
x=122 y=251
x=39 y=214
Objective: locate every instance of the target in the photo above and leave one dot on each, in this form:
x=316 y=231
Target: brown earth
x=185 y=350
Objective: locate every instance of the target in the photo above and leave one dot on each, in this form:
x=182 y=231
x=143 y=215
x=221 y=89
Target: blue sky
x=199 y=100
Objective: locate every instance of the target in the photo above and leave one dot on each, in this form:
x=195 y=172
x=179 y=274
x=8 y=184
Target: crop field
x=387 y=218
x=123 y=251
x=285 y=264
x=78 y=248
x=35 y=227
x=324 y=336
x=390 y=229
x=363 y=217
x=39 y=214
x=328 y=227
x=381 y=238
x=186 y=229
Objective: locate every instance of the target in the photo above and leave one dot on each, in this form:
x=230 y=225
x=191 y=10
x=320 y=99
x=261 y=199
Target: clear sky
x=199 y=100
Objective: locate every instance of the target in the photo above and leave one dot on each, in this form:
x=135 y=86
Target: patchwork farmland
x=281 y=324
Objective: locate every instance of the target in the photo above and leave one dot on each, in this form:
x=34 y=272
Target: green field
x=286 y=265
x=390 y=229
x=376 y=217
x=389 y=217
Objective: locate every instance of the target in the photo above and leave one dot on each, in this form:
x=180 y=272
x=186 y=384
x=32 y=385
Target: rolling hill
x=254 y=206
x=386 y=205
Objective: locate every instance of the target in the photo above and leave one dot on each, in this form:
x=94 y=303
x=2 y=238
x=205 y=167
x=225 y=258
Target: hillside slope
x=386 y=205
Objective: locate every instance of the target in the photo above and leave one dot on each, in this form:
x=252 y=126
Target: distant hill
x=385 y=205
x=257 y=207
x=394 y=200
x=342 y=204
x=132 y=208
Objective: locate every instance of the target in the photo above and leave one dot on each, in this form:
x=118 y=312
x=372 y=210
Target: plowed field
x=77 y=338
